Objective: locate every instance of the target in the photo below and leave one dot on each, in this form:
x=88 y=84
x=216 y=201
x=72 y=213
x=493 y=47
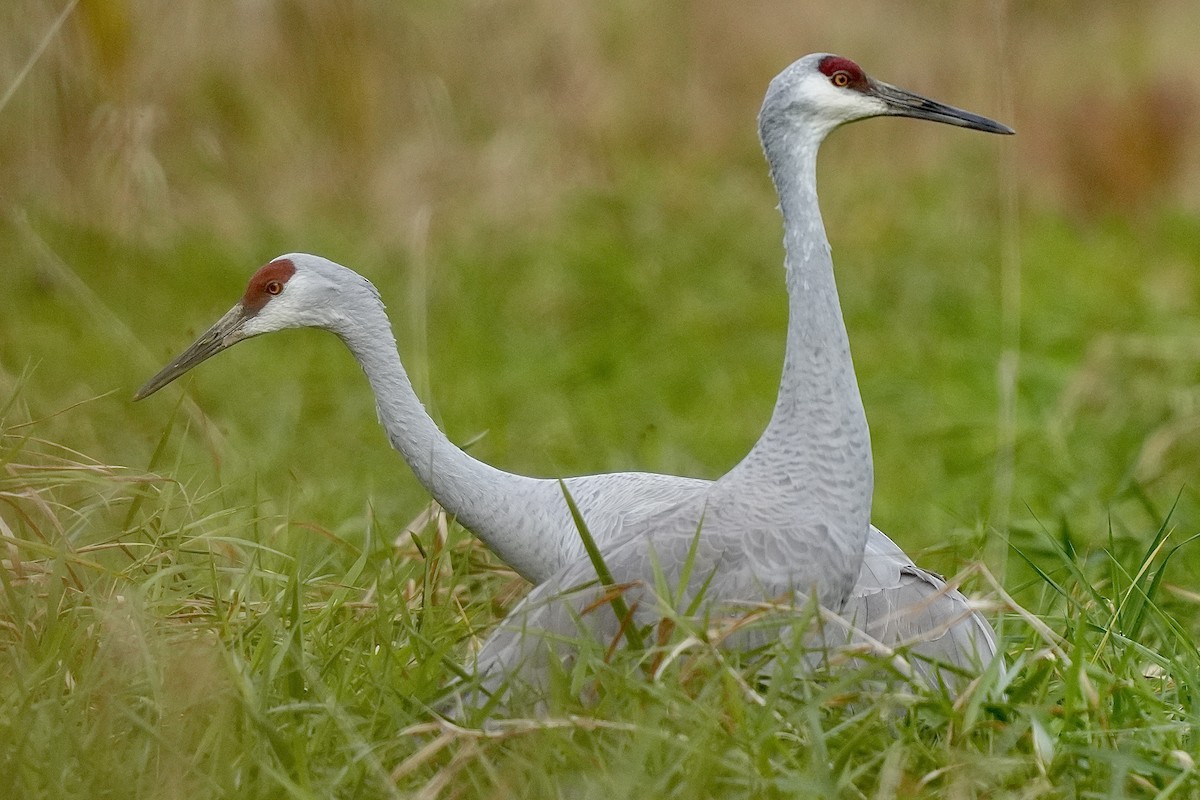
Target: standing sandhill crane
x=526 y=520
x=791 y=519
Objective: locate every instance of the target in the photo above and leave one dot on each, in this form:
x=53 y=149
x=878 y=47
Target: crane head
x=292 y=291
x=822 y=91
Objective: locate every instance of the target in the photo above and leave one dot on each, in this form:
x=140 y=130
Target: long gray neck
x=817 y=442
x=488 y=501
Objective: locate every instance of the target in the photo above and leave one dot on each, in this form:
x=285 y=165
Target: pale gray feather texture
x=898 y=604
x=526 y=520
x=894 y=603
x=791 y=519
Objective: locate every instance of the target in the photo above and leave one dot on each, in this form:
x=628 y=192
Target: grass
x=160 y=644
x=233 y=590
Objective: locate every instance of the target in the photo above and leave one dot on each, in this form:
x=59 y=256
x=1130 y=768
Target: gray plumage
x=525 y=520
x=898 y=604
x=791 y=520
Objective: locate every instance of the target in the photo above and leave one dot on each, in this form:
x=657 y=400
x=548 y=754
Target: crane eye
x=274 y=287
x=841 y=78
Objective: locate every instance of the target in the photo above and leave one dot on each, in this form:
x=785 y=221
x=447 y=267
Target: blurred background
x=565 y=206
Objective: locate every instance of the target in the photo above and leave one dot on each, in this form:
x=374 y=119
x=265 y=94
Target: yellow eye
x=274 y=287
x=841 y=78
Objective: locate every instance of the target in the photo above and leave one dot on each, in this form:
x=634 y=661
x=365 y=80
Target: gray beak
x=226 y=332
x=903 y=103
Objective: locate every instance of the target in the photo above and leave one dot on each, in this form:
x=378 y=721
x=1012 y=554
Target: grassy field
x=233 y=590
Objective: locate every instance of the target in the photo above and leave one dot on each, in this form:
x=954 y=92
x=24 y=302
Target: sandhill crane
x=792 y=518
x=526 y=520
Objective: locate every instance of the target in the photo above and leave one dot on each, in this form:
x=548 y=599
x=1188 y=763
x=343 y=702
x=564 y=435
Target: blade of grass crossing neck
x=617 y=601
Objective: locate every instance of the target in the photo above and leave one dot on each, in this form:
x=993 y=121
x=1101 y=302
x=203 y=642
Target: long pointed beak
x=903 y=103
x=226 y=332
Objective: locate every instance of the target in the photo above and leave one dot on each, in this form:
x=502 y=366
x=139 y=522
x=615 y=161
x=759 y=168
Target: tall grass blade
x=616 y=597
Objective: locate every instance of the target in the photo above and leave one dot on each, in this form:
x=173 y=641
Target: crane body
x=792 y=519
x=793 y=514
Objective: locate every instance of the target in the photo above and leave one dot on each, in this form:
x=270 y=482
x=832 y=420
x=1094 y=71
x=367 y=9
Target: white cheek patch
x=276 y=315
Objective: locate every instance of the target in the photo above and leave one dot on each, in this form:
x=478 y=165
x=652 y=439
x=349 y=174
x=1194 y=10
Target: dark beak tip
x=144 y=392
x=224 y=333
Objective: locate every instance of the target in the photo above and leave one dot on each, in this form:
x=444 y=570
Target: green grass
x=229 y=590
x=158 y=642
x=235 y=617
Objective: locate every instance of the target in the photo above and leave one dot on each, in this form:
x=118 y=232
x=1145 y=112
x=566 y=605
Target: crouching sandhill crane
x=813 y=456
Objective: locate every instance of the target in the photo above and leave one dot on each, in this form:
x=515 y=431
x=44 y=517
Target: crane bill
x=903 y=103
x=225 y=332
